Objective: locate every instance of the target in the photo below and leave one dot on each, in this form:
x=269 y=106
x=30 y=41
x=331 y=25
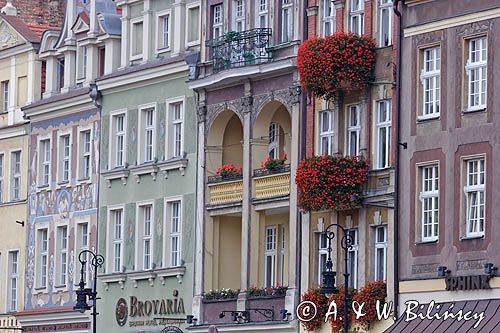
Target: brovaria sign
x=138 y=309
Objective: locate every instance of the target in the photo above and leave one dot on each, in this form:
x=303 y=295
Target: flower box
x=213 y=308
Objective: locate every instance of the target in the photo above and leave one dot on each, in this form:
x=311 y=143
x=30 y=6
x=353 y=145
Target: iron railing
x=238 y=49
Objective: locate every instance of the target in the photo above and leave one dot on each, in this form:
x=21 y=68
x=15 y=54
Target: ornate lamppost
x=328 y=276
x=82 y=293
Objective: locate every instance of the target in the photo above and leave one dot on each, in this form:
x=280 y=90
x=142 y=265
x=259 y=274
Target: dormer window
x=82 y=59
x=163 y=26
x=60 y=73
x=137 y=37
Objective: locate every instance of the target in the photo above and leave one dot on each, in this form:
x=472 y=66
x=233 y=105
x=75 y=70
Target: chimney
x=9 y=9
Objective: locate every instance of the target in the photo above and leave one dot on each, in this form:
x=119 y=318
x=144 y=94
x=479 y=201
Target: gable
x=8 y=36
x=80 y=25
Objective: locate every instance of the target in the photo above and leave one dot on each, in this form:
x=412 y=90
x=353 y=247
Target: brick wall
x=39 y=12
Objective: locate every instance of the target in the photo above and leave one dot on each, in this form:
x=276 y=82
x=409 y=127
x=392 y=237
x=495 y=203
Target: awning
x=449 y=317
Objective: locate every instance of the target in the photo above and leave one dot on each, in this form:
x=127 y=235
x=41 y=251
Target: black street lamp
x=328 y=276
x=81 y=305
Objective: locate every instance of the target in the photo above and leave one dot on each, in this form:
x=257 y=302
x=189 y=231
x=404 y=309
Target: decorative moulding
x=143 y=275
x=121 y=174
x=113 y=278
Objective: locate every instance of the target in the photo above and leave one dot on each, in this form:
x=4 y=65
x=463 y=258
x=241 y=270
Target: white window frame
x=429 y=202
x=61 y=256
x=270 y=249
x=141 y=237
x=381 y=246
x=385 y=6
x=386 y=124
x=217 y=20
x=16 y=176
x=113 y=152
x=42 y=275
x=82 y=247
x=168 y=256
x=238 y=14
x=170 y=132
x=287 y=34
x=189 y=7
x=2 y=173
x=62 y=159
x=353 y=128
x=133 y=23
x=327 y=19
x=322 y=253
x=160 y=31
x=430 y=78
x=82 y=62
x=83 y=155
x=13 y=280
x=352 y=254
x=262 y=12
x=113 y=240
x=5 y=95
x=328 y=134
x=479 y=189
x=43 y=163
x=359 y=13
x=141 y=135
x=274 y=140
x=481 y=66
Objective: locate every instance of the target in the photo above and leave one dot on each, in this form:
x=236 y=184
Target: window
x=322 y=255
x=383 y=134
x=380 y=253
x=474 y=190
x=217 y=21
x=64 y=157
x=270 y=257
x=163 y=31
x=101 y=61
x=431 y=81
x=117 y=240
x=238 y=15
x=385 y=23
x=85 y=154
x=286 y=21
x=329 y=14
x=148 y=134
x=356 y=16
x=145 y=237
x=5 y=96
x=273 y=146
x=137 y=36
x=43 y=252
x=1 y=178
x=44 y=160
x=476 y=71
x=118 y=140
x=193 y=25
x=15 y=180
x=429 y=202
x=262 y=14
x=175 y=139
x=175 y=227
x=326 y=132
x=60 y=74
x=82 y=59
x=62 y=254
x=13 y=280
x=82 y=244
x=352 y=258
x=353 y=130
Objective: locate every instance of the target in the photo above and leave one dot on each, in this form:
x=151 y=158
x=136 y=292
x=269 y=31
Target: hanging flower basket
x=338 y=61
x=331 y=182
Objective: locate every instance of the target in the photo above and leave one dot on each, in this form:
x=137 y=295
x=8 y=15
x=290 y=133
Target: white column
x=111 y=55
x=69 y=70
x=306 y=263
x=50 y=76
x=146 y=32
x=179 y=37
x=125 y=37
x=12 y=91
x=31 y=83
x=92 y=63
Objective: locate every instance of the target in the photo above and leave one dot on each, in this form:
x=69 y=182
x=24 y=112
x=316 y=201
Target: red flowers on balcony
x=273 y=163
x=342 y=60
x=228 y=170
x=331 y=182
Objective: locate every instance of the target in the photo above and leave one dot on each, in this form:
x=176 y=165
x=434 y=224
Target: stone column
x=339 y=14
x=92 y=63
x=146 y=40
x=180 y=27
x=306 y=262
x=364 y=109
x=125 y=37
x=51 y=76
x=69 y=70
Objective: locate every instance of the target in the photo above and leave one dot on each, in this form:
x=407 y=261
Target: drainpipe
x=396 y=163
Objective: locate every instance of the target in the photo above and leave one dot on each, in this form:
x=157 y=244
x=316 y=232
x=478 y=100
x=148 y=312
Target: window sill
x=144 y=169
x=84 y=181
x=424 y=242
x=466 y=238
x=142 y=275
x=423 y=119
x=43 y=188
x=12 y=202
x=474 y=110
x=120 y=173
x=40 y=289
x=177 y=272
x=113 y=278
x=175 y=163
x=162 y=50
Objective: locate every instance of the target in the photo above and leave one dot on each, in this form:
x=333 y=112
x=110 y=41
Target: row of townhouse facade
x=117 y=119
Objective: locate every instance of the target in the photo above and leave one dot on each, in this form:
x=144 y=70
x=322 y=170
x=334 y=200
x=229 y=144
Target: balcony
x=225 y=190
x=272 y=183
x=238 y=49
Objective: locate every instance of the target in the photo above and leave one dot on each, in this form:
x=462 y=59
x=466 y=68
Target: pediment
x=80 y=25
x=8 y=36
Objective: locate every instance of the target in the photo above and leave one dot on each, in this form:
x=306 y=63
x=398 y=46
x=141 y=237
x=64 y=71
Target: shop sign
x=57 y=327
x=468 y=282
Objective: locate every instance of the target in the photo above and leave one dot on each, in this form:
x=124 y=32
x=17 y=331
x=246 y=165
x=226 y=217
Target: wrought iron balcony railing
x=238 y=49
